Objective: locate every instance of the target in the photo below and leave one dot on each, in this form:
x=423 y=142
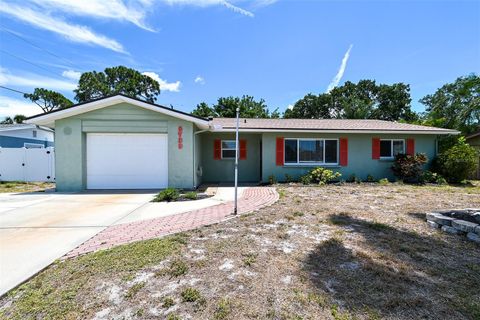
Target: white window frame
x=310 y=163
x=29 y=145
x=222 y=148
x=392 y=156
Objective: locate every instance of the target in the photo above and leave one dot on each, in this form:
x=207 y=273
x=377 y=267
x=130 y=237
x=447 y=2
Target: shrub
x=409 y=168
x=383 y=181
x=288 y=178
x=169 y=194
x=432 y=177
x=306 y=179
x=322 y=176
x=272 y=179
x=191 y=195
x=370 y=178
x=458 y=162
x=354 y=178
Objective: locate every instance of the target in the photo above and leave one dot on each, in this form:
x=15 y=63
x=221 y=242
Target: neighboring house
x=25 y=136
x=119 y=142
x=474 y=141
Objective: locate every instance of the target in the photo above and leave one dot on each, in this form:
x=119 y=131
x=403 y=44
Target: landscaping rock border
x=457 y=221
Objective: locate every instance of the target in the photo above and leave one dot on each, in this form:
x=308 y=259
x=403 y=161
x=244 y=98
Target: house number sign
x=180 y=138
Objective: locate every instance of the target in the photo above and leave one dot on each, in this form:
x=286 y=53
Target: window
x=34 y=133
x=314 y=151
x=228 y=149
x=390 y=148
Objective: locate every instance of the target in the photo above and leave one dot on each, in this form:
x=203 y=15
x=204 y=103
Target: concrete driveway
x=36 y=229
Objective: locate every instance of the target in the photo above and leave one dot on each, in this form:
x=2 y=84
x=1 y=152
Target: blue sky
x=203 y=49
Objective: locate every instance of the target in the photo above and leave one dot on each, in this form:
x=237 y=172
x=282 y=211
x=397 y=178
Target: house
x=25 y=136
x=119 y=142
x=474 y=141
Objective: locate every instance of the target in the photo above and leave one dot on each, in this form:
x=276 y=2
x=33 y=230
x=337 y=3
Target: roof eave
x=367 y=131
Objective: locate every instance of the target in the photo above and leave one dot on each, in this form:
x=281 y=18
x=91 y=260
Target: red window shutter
x=375 y=148
x=343 y=152
x=411 y=146
x=243 y=149
x=280 y=158
x=217 y=149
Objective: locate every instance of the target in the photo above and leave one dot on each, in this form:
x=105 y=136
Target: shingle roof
x=324 y=124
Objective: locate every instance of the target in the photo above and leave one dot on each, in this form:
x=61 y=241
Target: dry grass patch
x=352 y=251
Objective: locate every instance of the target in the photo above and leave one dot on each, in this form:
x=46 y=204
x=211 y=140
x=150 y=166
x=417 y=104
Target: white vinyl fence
x=21 y=164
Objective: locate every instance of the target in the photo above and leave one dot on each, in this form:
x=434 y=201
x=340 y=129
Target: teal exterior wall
x=223 y=170
x=70 y=142
x=360 y=160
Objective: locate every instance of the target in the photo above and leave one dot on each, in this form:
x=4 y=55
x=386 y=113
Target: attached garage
x=126 y=161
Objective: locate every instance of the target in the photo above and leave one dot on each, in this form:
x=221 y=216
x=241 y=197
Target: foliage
x=190 y=295
x=306 y=179
x=409 y=168
x=169 y=194
x=363 y=100
x=116 y=80
x=458 y=162
x=19 y=118
x=432 y=177
x=226 y=107
x=48 y=100
x=353 y=178
x=192 y=195
x=289 y=178
x=223 y=309
x=370 y=178
x=322 y=176
x=176 y=269
x=455 y=105
x=272 y=179
x=168 y=302
x=383 y=182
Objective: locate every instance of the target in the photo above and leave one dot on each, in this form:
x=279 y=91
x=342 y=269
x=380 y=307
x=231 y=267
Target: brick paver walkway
x=252 y=199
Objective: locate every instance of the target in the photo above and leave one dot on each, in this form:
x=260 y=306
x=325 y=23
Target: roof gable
x=48 y=119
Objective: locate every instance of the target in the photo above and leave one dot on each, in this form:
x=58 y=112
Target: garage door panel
x=127 y=161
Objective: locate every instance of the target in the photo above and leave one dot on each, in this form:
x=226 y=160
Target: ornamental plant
x=458 y=162
x=322 y=176
x=409 y=168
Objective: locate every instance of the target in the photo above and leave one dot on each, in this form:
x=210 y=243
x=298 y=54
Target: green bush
x=322 y=176
x=383 y=181
x=169 y=194
x=409 y=168
x=458 y=162
x=370 y=178
x=306 y=179
x=432 y=177
x=191 y=195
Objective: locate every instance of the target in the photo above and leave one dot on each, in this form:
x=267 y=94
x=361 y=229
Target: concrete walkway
x=252 y=199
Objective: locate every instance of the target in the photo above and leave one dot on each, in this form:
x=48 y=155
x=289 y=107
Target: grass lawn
x=19 y=186
x=353 y=251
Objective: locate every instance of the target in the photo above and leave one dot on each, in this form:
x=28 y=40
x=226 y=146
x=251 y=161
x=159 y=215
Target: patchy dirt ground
x=353 y=251
x=18 y=186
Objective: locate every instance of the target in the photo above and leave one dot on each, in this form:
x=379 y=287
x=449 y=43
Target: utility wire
x=14 y=90
x=29 y=62
x=35 y=45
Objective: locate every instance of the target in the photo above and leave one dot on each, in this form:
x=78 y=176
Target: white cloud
x=10 y=107
x=341 y=70
x=199 y=80
x=164 y=85
x=131 y=11
x=72 y=74
x=290 y=107
x=72 y=32
x=207 y=3
x=30 y=81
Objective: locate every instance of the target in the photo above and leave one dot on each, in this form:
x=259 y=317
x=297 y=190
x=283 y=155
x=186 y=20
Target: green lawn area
x=19 y=186
x=351 y=251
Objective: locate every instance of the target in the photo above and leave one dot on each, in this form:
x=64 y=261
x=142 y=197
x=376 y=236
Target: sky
x=199 y=50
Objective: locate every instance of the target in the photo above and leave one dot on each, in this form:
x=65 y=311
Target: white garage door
x=127 y=161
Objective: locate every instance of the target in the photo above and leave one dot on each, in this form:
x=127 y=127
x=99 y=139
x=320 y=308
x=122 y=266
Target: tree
x=48 y=100
x=455 y=105
x=362 y=100
x=116 y=80
x=458 y=162
x=226 y=107
x=19 y=118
